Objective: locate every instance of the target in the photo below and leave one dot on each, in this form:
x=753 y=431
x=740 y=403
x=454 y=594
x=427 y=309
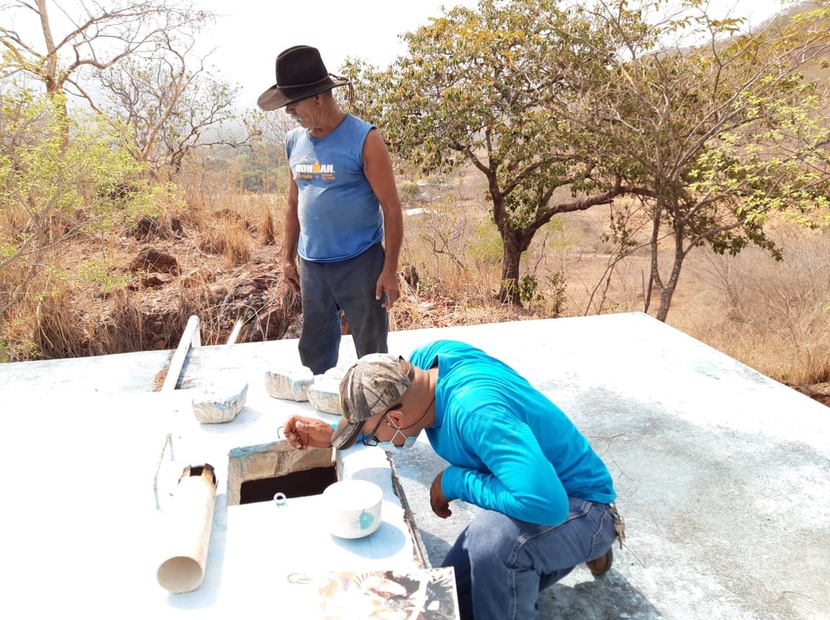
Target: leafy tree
x=716 y=131
x=51 y=191
x=477 y=87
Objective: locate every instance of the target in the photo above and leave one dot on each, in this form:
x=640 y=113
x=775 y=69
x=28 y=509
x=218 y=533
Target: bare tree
x=170 y=106
x=81 y=39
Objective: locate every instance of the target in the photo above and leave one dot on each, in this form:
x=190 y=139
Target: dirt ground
x=715 y=301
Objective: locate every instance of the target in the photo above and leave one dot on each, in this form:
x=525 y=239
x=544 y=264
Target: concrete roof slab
x=723 y=474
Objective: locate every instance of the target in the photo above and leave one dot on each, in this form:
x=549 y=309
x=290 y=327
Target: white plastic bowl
x=353 y=508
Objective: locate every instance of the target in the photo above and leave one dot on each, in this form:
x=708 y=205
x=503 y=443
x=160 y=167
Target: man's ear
x=396 y=415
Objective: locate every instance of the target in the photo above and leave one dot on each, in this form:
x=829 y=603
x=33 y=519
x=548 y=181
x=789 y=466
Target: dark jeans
x=348 y=286
x=502 y=564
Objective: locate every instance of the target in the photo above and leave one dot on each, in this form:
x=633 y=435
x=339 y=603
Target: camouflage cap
x=372 y=385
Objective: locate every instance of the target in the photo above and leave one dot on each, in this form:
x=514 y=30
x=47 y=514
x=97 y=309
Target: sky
x=249 y=34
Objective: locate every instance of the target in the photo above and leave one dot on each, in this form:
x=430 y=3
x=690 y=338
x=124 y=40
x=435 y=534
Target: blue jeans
x=502 y=564
x=328 y=288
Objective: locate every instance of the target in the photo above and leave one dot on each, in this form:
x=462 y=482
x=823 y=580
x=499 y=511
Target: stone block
x=324 y=394
x=215 y=406
x=290 y=384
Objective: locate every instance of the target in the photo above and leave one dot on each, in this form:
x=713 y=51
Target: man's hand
x=440 y=504
x=303 y=432
x=387 y=283
x=291 y=276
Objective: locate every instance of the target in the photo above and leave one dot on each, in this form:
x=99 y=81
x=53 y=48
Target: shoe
x=602 y=564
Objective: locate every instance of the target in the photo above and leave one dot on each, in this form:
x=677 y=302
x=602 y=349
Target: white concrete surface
x=79 y=528
x=723 y=477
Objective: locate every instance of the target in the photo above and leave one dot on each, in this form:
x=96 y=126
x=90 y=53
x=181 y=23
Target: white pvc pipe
x=188 y=531
x=237 y=328
x=190 y=337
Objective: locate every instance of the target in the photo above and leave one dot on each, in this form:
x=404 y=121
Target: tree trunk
x=50 y=77
x=654 y=262
x=509 y=288
x=667 y=292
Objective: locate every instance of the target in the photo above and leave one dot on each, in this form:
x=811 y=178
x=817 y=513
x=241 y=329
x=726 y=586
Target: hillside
x=100 y=286
x=223 y=263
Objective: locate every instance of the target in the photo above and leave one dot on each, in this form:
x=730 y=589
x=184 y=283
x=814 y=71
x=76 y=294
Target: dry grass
x=85 y=301
x=229 y=237
x=771 y=316
x=418 y=309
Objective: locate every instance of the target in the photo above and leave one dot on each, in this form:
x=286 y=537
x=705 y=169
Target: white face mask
x=389 y=446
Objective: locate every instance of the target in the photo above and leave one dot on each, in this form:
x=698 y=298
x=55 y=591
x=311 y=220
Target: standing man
x=548 y=497
x=343 y=215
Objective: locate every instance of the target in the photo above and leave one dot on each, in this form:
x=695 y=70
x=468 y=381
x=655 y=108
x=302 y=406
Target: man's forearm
x=393 y=239
x=291 y=235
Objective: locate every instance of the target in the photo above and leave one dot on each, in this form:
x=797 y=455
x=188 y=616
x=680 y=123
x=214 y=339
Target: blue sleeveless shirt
x=340 y=216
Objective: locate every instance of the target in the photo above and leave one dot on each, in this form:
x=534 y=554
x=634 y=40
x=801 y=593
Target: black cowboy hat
x=300 y=74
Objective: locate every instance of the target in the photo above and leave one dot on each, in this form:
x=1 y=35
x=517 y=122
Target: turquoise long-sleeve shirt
x=509 y=447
